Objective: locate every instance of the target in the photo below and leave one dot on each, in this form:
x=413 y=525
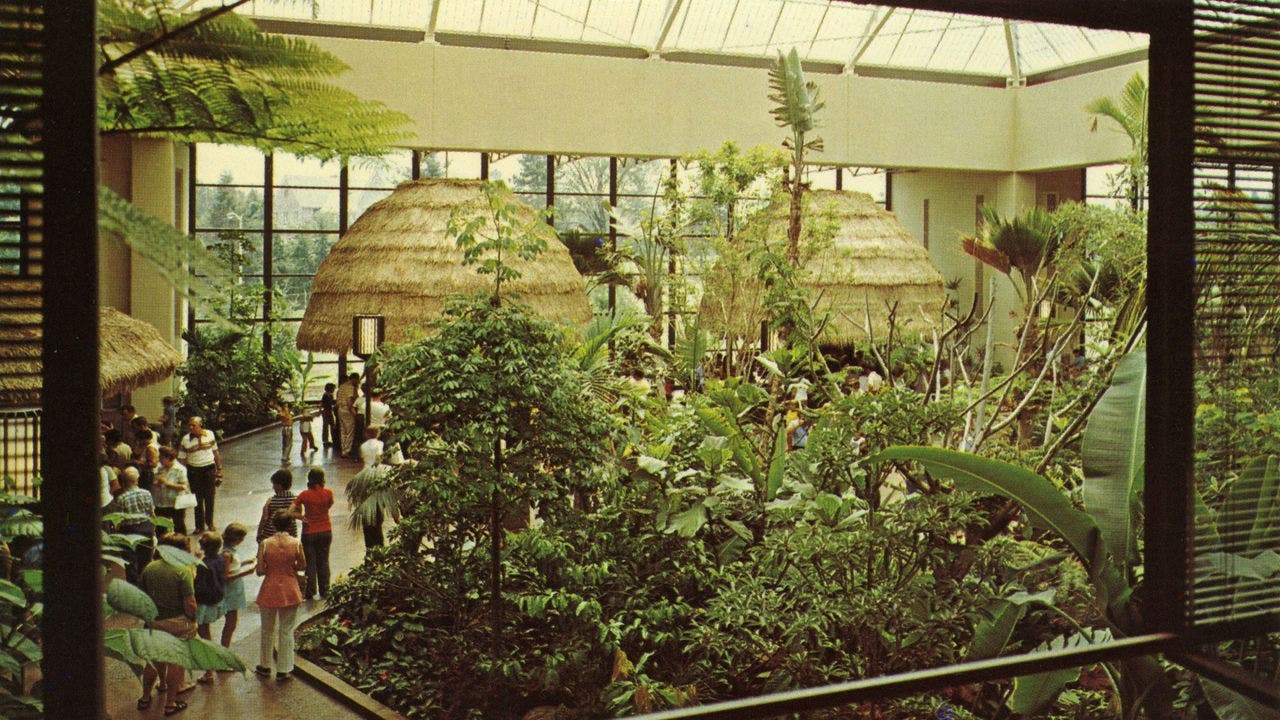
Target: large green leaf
x=1230 y=705
x=991 y=634
x=126 y=598
x=796 y=101
x=1033 y=693
x=116 y=644
x=210 y=656
x=159 y=646
x=12 y=594
x=1112 y=450
x=689 y=522
x=174 y=556
x=1254 y=499
x=1046 y=507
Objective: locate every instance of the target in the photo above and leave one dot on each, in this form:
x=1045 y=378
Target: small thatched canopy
x=131 y=353
x=870 y=264
x=397 y=260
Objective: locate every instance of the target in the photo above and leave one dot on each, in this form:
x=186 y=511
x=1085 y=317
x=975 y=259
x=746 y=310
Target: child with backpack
x=210 y=588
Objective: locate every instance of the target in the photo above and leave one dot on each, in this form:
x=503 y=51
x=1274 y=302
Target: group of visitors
x=192 y=599
x=347 y=415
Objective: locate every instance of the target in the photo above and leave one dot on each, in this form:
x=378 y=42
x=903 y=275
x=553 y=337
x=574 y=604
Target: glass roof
x=849 y=35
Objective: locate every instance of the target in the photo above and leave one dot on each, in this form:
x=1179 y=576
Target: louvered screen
x=20 y=238
x=1235 y=572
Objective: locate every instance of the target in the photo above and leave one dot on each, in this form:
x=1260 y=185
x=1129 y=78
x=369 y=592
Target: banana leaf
x=1045 y=505
x=1112 y=451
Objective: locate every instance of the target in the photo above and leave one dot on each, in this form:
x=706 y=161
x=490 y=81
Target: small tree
x=494 y=407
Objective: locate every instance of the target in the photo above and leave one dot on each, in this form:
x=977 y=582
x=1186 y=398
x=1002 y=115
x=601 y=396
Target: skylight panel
x=507 y=17
x=959 y=45
x=559 y=19
x=840 y=32
x=702 y=26
x=880 y=51
x=991 y=53
x=459 y=16
x=798 y=24
x=920 y=39
x=401 y=13
x=611 y=22
x=751 y=24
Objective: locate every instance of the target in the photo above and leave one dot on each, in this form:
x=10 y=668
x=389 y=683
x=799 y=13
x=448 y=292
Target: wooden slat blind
x=1234 y=561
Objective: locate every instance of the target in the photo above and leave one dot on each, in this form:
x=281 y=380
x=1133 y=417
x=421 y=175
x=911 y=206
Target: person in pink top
x=280 y=557
x=312 y=505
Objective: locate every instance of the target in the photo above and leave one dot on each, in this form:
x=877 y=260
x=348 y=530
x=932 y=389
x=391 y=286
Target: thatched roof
x=131 y=353
x=870 y=263
x=397 y=260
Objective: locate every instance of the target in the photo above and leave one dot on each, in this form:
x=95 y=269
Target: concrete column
x=156 y=187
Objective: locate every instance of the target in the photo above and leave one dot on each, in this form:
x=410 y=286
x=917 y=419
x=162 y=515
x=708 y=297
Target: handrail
x=881 y=688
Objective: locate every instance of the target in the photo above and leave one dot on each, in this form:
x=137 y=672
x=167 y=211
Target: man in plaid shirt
x=135 y=501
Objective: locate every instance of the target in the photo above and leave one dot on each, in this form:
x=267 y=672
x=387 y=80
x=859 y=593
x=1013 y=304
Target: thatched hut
x=131 y=353
x=869 y=265
x=397 y=260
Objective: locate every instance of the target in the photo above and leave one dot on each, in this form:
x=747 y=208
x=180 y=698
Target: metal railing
x=20 y=450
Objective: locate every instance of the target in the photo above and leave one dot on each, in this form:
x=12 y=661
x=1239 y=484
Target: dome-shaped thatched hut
x=397 y=260
x=870 y=264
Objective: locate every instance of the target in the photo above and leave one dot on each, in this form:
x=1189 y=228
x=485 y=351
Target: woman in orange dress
x=280 y=558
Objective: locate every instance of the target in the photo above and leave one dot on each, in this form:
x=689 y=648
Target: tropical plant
x=1026 y=243
x=1129 y=112
x=493 y=232
x=210 y=75
x=796 y=107
x=230 y=381
x=1106 y=540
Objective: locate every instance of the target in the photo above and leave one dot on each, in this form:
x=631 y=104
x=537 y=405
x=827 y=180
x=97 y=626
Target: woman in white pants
x=280 y=558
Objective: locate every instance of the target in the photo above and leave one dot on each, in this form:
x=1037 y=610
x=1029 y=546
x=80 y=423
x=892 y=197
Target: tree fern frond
x=181 y=259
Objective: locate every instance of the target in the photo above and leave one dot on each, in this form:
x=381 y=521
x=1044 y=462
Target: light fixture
x=367 y=332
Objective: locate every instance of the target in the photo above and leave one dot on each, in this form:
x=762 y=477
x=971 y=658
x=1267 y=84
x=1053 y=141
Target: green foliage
x=1113 y=448
x=498 y=226
x=1129 y=112
x=210 y=76
x=796 y=107
x=230 y=381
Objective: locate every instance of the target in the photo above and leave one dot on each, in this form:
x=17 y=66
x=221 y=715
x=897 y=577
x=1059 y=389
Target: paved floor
x=247 y=467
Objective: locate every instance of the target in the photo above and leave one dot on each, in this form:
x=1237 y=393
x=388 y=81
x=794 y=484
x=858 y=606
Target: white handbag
x=184 y=500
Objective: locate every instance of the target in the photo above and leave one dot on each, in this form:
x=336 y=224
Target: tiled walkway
x=248 y=464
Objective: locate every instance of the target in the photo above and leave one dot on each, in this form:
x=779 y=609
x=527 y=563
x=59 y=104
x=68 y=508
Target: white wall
x=519 y=101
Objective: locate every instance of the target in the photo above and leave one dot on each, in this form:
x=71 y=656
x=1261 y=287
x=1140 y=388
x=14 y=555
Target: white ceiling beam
x=1011 y=42
x=728 y=27
x=435 y=17
x=672 y=11
x=866 y=40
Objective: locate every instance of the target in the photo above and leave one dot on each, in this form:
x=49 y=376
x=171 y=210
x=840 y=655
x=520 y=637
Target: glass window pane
x=523 y=173
x=872 y=181
x=305 y=209
x=225 y=206
x=462 y=165
x=233 y=164
x=292 y=170
x=384 y=172
x=360 y=200
x=241 y=250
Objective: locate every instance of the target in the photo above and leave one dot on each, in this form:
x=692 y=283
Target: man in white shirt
x=379 y=411
x=198 y=450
